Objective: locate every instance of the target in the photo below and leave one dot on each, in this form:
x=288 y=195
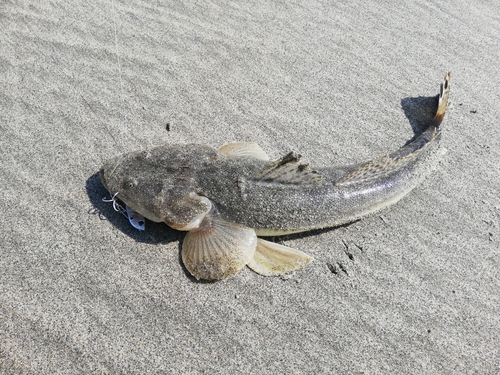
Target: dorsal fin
x=382 y=166
x=370 y=171
x=244 y=150
x=287 y=170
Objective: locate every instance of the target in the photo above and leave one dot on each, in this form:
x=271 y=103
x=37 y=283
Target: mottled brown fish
x=225 y=199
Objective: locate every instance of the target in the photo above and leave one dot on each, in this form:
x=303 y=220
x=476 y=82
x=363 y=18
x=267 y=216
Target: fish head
x=159 y=184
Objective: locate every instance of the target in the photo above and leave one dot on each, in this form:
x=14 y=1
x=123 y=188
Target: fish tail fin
x=443 y=97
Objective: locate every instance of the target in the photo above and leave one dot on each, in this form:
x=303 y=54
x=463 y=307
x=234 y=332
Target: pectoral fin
x=244 y=150
x=271 y=259
x=218 y=249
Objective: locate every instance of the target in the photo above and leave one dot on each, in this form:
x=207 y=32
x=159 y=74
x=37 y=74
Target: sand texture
x=414 y=289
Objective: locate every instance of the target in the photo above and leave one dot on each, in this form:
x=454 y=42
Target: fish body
x=305 y=199
x=227 y=197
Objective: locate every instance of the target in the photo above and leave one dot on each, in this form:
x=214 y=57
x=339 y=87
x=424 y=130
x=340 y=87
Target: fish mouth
x=107 y=171
x=103 y=178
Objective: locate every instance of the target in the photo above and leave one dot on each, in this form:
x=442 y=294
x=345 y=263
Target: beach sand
x=413 y=289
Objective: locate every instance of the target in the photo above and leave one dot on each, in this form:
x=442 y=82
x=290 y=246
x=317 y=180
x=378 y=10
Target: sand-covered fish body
x=227 y=197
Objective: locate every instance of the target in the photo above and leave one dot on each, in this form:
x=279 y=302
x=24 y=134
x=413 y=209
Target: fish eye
x=129 y=184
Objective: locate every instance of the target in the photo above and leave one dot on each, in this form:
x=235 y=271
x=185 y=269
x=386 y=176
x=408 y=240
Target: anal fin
x=272 y=259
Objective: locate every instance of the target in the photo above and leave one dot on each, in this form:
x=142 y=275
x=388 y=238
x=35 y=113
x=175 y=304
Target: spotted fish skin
x=340 y=196
x=306 y=199
x=227 y=197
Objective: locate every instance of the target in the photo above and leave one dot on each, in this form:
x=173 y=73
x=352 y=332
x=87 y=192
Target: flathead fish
x=227 y=198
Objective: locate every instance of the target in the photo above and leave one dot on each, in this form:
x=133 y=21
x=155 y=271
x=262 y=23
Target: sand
x=413 y=289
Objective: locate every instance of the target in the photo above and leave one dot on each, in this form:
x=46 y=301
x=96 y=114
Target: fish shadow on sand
x=155 y=233
x=419 y=111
